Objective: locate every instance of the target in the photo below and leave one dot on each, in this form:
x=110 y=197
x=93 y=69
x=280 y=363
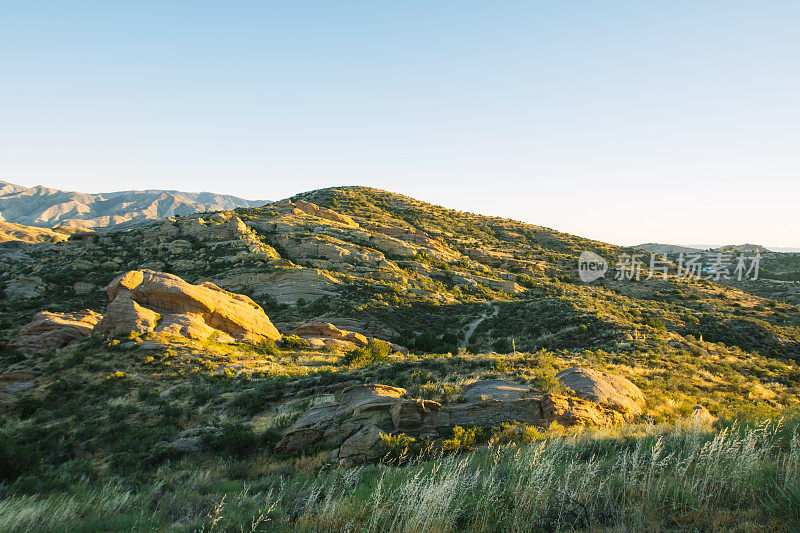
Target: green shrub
x=293 y=342
x=16 y=459
x=462 y=440
x=235 y=439
x=502 y=345
x=375 y=351
x=268 y=347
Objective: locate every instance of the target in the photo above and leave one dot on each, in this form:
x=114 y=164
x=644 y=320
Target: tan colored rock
x=364 y=412
x=495 y=389
x=303 y=248
x=411 y=414
x=50 y=331
x=576 y=411
x=83 y=288
x=324 y=329
x=390 y=245
x=145 y=301
x=490 y=413
x=26 y=288
x=327 y=214
x=308 y=429
x=609 y=390
x=286 y=285
x=702 y=416
x=334 y=422
x=365 y=445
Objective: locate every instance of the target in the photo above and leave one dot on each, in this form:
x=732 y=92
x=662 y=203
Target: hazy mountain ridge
x=45 y=207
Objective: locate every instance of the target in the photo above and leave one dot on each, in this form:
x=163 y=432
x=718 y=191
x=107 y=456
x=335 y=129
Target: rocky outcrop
x=326 y=214
x=145 y=301
x=286 y=285
x=571 y=411
x=305 y=248
x=608 y=390
x=702 y=416
x=313 y=330
x=50 y=331
x=193 y=440
x=364 y=412
x=335 y=422
x=26 y=288
x=321 y=334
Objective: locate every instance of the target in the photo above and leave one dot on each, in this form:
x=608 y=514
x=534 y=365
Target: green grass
x=681 y=477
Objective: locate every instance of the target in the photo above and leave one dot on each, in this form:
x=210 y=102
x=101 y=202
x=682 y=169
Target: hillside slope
x=45 y=207
x=153 y=384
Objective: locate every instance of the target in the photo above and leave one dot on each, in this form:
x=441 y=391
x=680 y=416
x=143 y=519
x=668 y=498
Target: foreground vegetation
x=683 y=476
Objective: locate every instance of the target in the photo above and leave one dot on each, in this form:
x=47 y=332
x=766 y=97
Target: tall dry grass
x=682 y=477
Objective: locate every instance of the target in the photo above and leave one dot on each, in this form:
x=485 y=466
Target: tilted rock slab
x=365 y=412
x=144 y=301
x=608 y=390
x=50 y=331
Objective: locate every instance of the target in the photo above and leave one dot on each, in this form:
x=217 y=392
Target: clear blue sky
x=670 y=121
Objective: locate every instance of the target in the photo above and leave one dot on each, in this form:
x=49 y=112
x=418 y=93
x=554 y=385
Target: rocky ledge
x=363 y=413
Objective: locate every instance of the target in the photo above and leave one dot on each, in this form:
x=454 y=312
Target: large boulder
x=308 y=429
x=145 y=301
x=576 y=411
x=50 y=331
x=608 y=390
x=365 y=445
x=25 y=288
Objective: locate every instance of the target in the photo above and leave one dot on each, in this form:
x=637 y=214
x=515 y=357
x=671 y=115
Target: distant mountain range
x=659 y=248
x=50 y=208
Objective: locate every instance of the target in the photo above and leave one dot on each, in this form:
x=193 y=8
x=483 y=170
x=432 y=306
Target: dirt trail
x=474 y=325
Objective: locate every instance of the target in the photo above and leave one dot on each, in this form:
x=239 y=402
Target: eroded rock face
x=50 y=331
x=365 y=445
x=286 y=286
x=702 y=416
x=327 y=214
x=571 y=411
x=192 y=440
x=144 y=301
x=609 y=390
x=495 y=389
x=327 y=330
x=364 y=412
x=25 y=289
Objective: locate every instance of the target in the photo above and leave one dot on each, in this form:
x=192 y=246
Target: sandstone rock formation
x=320 y=334
x=50 y=331
x=324 y=330
x=144 y=301
x=286 y=285
x=25 y=288
x=364 y=412
x=327 y=214
x=192 y=440
x=608 y=390
x=702 y=416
